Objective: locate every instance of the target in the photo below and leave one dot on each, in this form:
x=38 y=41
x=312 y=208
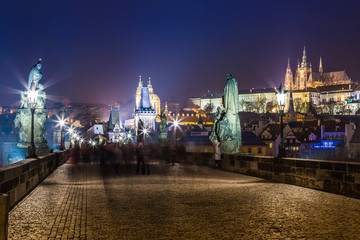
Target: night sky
x=93 y=51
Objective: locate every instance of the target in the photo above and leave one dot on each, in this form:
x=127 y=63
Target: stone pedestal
x=230 y=147
x=163 y=137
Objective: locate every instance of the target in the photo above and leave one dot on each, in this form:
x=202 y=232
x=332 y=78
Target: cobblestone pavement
x=178 y=202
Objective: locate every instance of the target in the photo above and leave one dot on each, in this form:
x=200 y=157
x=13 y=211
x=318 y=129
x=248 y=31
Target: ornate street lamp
x=281 y=99
x=32 y=97
x=175 y=124
x=71 y=132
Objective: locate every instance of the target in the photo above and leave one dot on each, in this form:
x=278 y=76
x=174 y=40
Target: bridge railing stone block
x=331 y=176
x=20 y=178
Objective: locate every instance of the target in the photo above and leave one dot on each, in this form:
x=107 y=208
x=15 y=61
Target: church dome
x=154 y=97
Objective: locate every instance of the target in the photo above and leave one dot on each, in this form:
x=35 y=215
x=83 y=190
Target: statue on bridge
x=226 y=132
x=163 y=124
x=23 y=116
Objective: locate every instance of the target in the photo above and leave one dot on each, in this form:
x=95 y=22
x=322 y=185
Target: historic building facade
x=326 y=92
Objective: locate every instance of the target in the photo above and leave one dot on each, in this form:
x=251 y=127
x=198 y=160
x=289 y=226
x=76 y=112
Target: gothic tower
x=288 y=77
x=321 y=67
x=302 y=73
x=138 y=94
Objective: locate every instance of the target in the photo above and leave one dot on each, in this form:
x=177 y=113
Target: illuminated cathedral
x=305 y=77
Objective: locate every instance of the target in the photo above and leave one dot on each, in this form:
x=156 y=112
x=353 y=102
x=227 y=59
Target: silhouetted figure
x=142 y=153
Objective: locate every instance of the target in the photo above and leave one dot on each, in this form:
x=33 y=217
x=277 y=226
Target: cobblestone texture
x=178 y=202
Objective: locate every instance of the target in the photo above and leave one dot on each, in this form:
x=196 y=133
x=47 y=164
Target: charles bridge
x=53 y=197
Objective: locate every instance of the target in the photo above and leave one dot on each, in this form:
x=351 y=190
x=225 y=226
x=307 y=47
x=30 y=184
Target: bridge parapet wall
x=20 y=178
x=330 y=176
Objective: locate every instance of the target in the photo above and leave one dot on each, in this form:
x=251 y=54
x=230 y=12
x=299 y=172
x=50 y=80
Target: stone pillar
x=4 y=213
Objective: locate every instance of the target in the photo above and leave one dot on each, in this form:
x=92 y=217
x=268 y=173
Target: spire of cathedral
x=298 y=63
x=304 y=63
x=321 y=67
x=288 y=83
x=288 y=65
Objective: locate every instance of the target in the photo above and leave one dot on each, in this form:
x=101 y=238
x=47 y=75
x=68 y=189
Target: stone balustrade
x=20 y=178
x=330 y=176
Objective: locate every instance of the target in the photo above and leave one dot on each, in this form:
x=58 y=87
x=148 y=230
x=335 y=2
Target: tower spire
x=288 y=81
x=140 y=85
x=304 y=52
x=288 y=65
x=291 y=103
x=304 y=63
x=321 y=66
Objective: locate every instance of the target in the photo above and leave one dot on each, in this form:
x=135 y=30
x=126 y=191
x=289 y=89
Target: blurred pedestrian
x=142 y=154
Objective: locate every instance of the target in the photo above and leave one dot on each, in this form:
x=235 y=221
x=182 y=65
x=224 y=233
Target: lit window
x=270 y=145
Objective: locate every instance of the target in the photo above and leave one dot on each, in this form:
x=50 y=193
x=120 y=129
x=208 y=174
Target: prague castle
x=326 y=92
x=305 y=78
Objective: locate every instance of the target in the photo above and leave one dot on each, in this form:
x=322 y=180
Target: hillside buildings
x=305 y=78
x=324 y=92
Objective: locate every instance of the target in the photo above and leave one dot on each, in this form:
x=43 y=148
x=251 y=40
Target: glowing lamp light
x=81 y=140
x=62 y=122
x=33 y=96
x=71 y=131
x=129 y=135
x=145 y=131
x=176 y=123
x=281 y=98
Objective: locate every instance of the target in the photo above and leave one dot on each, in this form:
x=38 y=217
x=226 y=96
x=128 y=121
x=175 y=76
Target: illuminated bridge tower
x=146 y=113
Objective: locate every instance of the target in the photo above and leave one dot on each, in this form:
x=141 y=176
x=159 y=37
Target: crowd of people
x=117 y=154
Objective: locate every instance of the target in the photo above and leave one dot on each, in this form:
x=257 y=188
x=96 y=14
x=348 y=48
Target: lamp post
x=62 y=124
x=281 y=99
x=176 y=125
x=32 y=97
x=145 y=132
x=70 y=131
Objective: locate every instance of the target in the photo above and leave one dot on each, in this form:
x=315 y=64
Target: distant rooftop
x=260 y=90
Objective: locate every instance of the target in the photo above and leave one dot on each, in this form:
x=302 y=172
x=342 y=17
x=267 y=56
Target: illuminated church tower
x=288 y=78
x=302 y=73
